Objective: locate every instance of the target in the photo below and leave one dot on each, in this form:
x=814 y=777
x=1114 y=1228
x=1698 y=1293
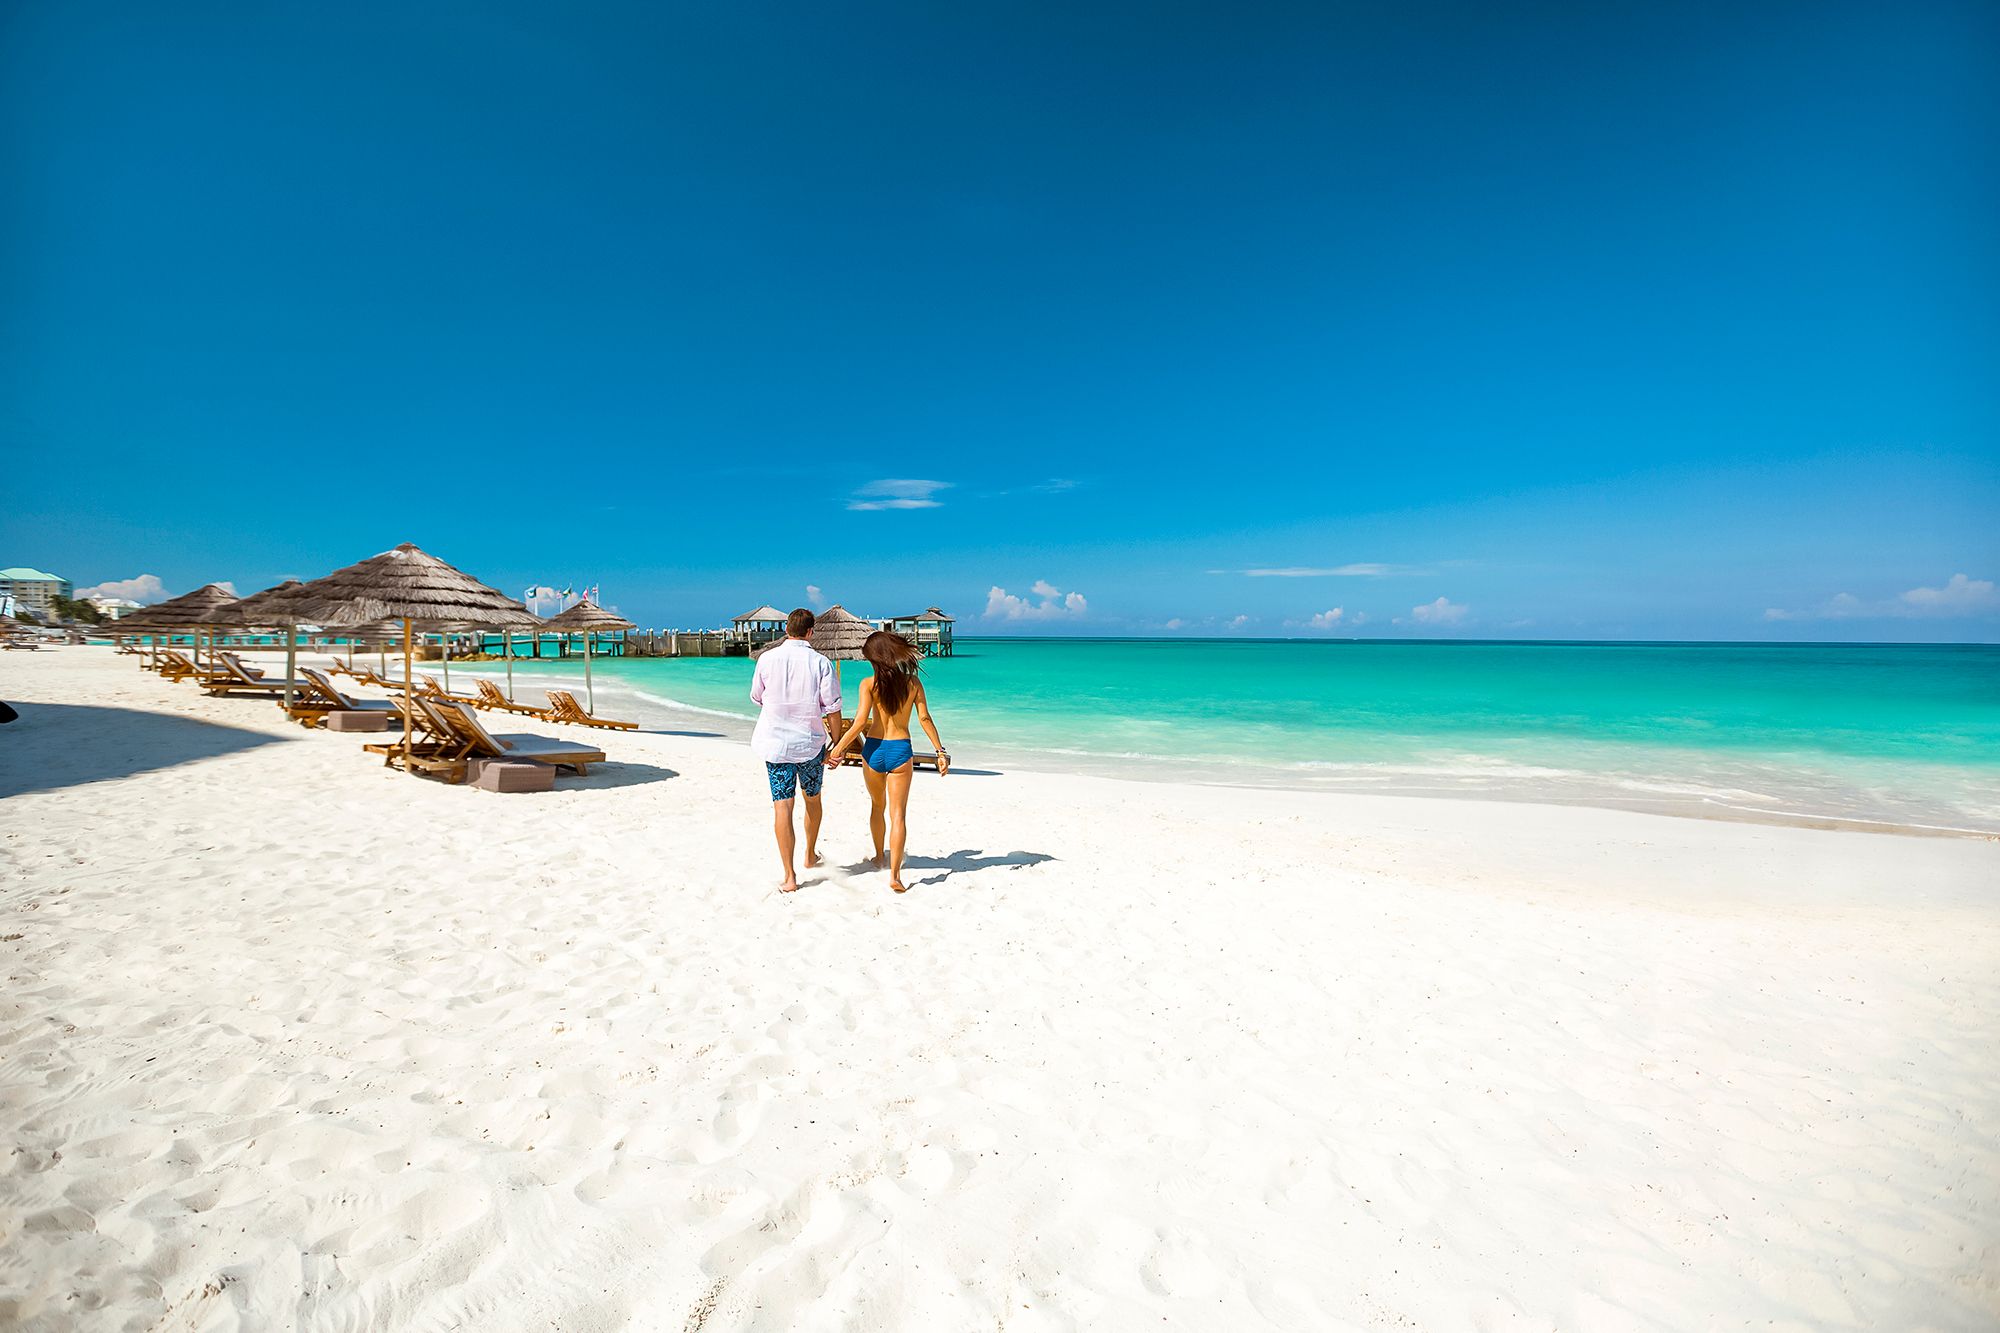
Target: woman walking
x=883 y=721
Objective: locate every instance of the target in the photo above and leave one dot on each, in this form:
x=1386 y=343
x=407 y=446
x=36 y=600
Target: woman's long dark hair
x=895 y=661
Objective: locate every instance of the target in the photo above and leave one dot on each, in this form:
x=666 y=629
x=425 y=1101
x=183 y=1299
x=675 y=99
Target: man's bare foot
x=899 y=886
x=881 y=860
x=789 y=886
x=813 y=859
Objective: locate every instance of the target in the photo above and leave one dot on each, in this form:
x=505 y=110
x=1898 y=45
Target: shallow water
x=1902 y=734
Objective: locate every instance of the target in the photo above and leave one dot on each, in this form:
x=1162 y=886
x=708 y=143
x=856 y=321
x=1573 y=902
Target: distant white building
x=32 y=589
x=115 y=608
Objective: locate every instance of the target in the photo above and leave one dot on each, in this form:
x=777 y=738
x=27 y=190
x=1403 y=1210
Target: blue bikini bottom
x=885 y=756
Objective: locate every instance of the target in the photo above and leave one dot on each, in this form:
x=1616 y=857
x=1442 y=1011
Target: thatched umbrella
x=380 y=634
x=269 y=608
x=409 y=586
x=591 y=620
x=189 y=611
x=838 y=633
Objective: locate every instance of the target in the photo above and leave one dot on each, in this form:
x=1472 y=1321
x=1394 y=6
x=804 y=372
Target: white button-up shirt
x=795 y=689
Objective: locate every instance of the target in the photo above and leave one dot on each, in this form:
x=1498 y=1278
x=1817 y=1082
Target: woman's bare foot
x=881 y=860
x=899 y=886
x=789 y=886
x=813 y=861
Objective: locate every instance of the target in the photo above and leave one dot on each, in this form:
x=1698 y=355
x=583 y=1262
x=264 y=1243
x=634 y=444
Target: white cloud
x=1360 y=618
x=1360 y=570
x=1055 y=604
x=227 y=587
x=1327 y=619
x=1176 y=623
x=145 y=589
x=1239 y=622
x=1056 y=484
x=814 y=595
x=1440 y=612
x=1960 y=596
x=898 y=493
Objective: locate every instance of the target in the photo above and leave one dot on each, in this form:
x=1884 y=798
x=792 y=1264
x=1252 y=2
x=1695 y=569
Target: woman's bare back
x=883 y=725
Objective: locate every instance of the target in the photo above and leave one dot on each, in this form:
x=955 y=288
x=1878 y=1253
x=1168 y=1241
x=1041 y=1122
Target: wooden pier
x=930 y=630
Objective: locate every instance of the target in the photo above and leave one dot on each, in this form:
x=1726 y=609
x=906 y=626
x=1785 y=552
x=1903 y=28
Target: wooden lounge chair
x=918 y=758
x=490 y=697
x=563 y=707
x=239 y=679
x=321 y=696
x=175 y=666
x=434 y=746
x=428 y=688
x=178 y=667
x=479 y=743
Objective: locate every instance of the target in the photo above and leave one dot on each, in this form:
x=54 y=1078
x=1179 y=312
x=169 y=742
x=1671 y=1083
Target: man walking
x=796 y=692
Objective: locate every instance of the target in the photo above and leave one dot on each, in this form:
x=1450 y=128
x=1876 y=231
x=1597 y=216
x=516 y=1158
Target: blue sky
x=1541 y=320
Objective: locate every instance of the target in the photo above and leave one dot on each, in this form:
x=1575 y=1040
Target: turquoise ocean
x=1908 y=735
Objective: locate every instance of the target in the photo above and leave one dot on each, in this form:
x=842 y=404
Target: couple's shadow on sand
x=965 y=862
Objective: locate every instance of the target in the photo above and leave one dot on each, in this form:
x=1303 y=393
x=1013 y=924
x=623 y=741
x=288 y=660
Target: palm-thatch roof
x=186 y=611
x=765 y=612
x=587 y=617
x=837 y=633
x=405 y=584
x=260 y=608
x=375 y=631
x=932 y=614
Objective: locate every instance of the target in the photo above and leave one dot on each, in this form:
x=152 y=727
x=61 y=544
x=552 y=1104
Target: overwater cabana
x=764 y=625
x=930 y=630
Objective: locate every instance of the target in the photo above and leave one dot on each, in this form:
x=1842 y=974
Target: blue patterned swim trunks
x=786 y=779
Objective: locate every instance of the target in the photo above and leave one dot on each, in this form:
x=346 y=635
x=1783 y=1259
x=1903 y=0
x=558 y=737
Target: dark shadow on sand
x=54 y=746
x=969 y=862
x=614 y=773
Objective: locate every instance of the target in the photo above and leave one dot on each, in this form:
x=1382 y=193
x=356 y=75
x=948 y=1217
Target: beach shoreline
x=1680 y=795
x=296 y=1040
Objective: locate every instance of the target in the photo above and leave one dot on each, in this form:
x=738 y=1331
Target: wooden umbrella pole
x=444 y=655
x=409 y=695
x=589 y=690
x=291 y=663
x=509 y=642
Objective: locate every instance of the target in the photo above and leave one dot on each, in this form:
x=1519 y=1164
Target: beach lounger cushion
x=354 y=719
x=508 y=775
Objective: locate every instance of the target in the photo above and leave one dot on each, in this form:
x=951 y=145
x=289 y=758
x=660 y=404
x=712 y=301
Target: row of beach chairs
x=562 y=705
x=450 y=736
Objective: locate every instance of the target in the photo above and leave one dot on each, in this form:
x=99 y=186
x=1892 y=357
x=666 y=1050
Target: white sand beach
x=291 y=1041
